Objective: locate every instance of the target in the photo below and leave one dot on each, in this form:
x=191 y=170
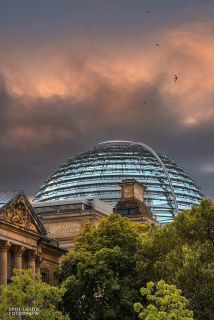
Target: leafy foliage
x=182 y=253
x=25 y=292
x=163 y=302
x=100 y=275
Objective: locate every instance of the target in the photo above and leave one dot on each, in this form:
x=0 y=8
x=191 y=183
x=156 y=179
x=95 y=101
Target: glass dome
x=96 y=173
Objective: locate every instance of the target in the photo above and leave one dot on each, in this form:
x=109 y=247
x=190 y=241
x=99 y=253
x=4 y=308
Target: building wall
x=23 y=241
x=65 y=227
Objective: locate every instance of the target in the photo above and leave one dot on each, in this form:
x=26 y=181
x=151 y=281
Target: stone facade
x=65 y=220
x=23 y=240
x=67 y=225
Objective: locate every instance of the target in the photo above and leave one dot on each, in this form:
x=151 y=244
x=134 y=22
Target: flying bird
x=175 y=77
x=157 y=44
x=147 y=11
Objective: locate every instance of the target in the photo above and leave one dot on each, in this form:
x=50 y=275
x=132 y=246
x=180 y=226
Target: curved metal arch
x=157 y=158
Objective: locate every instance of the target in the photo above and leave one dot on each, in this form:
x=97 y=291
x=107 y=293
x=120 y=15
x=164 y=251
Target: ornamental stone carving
x=18 y=250
x=4 y=245
x=18 y=213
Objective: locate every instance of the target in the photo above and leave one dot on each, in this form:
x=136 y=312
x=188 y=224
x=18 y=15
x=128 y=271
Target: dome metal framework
x=96 y=173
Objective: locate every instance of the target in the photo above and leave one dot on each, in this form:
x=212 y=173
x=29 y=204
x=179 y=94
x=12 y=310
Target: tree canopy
x=29 y=298
x=100 y=275
x=110 y=263
x=163 y=302
x=182 y=253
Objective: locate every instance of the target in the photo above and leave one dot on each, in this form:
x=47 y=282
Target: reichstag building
x=126 y=177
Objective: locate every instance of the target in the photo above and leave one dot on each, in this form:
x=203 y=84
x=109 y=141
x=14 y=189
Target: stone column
x=18 y=251
x=38 y=262
x=3 y=261
x=32 y=261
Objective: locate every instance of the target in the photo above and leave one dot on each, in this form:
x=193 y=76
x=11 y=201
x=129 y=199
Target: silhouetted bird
x=175 y=78
x=147 y=11
x=157 y=44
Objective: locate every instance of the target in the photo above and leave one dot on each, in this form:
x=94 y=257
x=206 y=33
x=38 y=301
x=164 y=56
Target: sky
x=75 y=73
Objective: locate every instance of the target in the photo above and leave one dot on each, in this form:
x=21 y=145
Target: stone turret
x=132 y=202
x=132 y=189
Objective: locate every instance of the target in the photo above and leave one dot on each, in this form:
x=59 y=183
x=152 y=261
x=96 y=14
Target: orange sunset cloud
x=76 y=69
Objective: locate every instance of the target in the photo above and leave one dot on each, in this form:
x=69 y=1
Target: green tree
x=100 y=275
x=30 y=295
x=182 y=253
x=163 y=302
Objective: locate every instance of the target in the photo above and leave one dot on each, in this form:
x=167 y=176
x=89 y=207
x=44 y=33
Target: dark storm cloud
x=35 y=140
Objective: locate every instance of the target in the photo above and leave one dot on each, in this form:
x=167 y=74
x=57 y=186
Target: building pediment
x=18 y=211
